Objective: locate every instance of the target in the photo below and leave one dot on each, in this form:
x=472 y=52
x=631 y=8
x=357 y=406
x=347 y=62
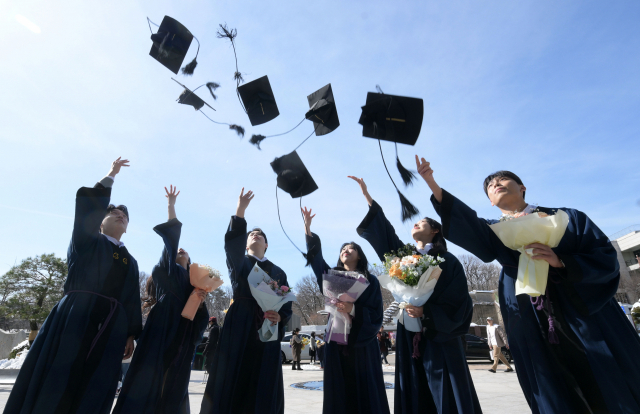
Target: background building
x=627 y=244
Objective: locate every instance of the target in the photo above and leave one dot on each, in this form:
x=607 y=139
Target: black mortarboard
x=323 y=111
x=259 y=101
x=188 y=97
x=293 y=176
x=170 y=45
x=392 y=118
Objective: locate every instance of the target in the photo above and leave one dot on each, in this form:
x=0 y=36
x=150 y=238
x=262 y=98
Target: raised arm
x=235 y=240
x=314 y=248
x=164 y=274
x=460 y=224
x=91 y=207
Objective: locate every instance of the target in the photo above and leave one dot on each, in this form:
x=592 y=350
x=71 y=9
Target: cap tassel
x=256 y=140
x=238 y=77
x=408 y=209
x=188 y=69
x=212 y=87
x=407 y=176
x=239 y=130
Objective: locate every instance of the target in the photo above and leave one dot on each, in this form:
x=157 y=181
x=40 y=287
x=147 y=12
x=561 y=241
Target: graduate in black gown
x=577 y=353
x=438 y=379
x=353 y=380
x=247 y=373
x=158 y=379
x=74 y=363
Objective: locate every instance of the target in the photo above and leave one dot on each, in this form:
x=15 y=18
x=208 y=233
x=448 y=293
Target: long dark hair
x=439 y=243
x=149 y=298
x=363 y=263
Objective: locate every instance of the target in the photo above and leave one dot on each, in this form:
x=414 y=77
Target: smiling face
x=504 y=190
x=349 y=256
x=183 y=257
x=114 y=223
x=423 y=231
x=257 y=242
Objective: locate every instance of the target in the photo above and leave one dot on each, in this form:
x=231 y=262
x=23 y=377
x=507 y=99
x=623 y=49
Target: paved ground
x=498 y=393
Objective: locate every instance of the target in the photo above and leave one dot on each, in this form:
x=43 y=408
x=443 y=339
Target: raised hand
x=243 y=202
x=116 y=165
x=425 y=171
x=172 y=195
x=363 y=187
x=307 y=220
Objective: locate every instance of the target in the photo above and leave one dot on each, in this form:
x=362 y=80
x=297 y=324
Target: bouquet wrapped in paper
x=411 y=280
x=270 y=296
x=203 y=278
x=341 y=286
x=523 y=229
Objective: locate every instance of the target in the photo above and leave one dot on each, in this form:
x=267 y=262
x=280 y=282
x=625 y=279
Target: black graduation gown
x=63 y=373
x=210 y=348
x=158 y=378
x=353 y=379
x=442 y=367
x=595 y=365
x=247 y=373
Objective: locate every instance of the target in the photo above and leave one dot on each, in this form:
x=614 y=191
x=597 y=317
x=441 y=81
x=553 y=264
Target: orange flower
x=415 y=256
x=395 y=271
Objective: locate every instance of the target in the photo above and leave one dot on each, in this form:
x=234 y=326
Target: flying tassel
x=238 y=77
x=407 y=176
x=212 y=87
x=188 y=69
x=224 y=31
x=239 y=130
x=256 y=140
x=408 y=209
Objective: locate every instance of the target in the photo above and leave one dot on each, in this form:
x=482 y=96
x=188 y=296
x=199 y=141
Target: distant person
x=638 y=259
x=312 y=349
x=296 y=348
x=75 y=361
x=321 y=347
x=385 y=344
x=496 y=340
x=212 y=343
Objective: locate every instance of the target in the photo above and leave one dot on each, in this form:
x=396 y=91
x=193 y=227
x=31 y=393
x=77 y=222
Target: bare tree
x=142 y=282
x=218 y=301
x=480 y=275
x=309 y=301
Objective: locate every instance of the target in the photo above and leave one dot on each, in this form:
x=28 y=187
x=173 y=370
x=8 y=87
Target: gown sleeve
x=376 y=229
x=91 y=207
x=235 y=242
x=314 y=256
x=447 y=314
x=285 y=311
x=591 y=263
x=200 y=324
x=165 y=273
x=461 y=225
x=368 y=318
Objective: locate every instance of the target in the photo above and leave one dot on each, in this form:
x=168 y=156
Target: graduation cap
x=258 y=101
x=294 y=179
x=170 y=45
x=322 y=112
x=188 y=97
x=397 y=119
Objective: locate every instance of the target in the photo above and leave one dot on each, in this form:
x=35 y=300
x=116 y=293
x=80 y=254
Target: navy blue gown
x=595 y=366
x=247 y=373
x=158 y=378
x=68 y=370
x=353 y=379
x=439 y=380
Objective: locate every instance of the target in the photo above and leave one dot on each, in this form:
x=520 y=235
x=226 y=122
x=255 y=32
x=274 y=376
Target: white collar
x=113 y=240
x=264 y=259
x=426 y=249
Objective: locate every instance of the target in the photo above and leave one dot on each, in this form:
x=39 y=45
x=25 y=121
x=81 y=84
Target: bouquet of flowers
x=305 y=341
x=341 y=286
x=270 y=296
x=411 y=278
x=203 y=278
x=521 y=229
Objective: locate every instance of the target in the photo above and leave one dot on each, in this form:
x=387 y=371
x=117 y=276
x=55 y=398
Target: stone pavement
x=498 y=393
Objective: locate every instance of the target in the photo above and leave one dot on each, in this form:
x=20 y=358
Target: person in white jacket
x=496 y=339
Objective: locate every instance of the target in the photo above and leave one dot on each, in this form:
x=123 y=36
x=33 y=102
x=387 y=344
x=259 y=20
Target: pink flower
x=285 y=289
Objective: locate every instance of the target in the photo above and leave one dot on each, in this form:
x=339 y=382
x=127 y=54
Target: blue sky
x=549 y=90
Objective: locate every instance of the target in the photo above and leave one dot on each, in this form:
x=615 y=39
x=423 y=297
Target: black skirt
x=312 y=353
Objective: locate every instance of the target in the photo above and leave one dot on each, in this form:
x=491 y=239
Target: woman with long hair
x=435 y=376
x=158 y=378
x=353 y=381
